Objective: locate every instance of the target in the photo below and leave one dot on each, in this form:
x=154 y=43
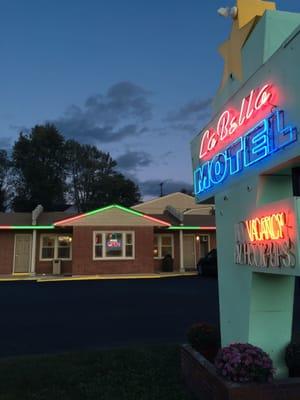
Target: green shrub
x=202 y=336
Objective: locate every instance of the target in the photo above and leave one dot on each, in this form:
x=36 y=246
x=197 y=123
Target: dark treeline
x=45 y=168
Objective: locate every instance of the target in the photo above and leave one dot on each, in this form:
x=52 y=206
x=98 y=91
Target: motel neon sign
x=242 y=138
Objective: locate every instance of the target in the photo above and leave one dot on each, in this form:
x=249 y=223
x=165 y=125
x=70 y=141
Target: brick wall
x=83 y=262
x=7 y=242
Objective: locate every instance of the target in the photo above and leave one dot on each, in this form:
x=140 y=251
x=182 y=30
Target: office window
x=113 y=245
x=56 y=247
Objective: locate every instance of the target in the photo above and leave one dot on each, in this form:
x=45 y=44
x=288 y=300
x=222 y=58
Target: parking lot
x=64 y=316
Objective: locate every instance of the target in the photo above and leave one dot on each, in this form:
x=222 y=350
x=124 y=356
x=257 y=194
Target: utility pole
x=161 y=188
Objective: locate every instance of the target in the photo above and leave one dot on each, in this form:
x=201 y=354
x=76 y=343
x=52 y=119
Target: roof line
x=98 y=210
x=26 y=226
x=203 y=228
x=159 y=198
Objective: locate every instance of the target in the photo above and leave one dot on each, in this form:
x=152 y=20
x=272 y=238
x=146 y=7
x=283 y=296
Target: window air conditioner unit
x=56 y=267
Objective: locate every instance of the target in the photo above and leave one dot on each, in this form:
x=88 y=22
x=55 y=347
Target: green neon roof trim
x=129 y=210
x=122 y=208
x=32 y=226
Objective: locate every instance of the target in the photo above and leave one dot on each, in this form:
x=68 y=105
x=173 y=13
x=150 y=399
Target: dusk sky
x=133 y=77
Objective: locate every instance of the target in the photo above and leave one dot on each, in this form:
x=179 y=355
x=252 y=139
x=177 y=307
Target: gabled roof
x=113 y=215
x=179 y=201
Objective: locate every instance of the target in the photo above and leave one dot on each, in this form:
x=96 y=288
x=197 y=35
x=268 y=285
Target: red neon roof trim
x=61 y=222
x=156 y=220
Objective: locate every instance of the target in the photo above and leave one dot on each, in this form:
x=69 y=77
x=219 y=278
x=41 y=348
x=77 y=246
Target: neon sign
x=266 y=228
x=265 y=242
x=265 y=138
x=114 y=244
x=232 y=123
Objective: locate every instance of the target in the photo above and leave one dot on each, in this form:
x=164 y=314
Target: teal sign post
x=245 y=158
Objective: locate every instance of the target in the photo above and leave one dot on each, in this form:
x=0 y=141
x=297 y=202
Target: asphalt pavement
x=53 y=317
x=66 y=316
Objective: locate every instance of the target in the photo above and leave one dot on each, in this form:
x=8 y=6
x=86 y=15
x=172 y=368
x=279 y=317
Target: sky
x=135 y=78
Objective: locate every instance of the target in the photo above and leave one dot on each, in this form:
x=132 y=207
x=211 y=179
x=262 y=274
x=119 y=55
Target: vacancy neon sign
x=266 y=241
x=270 y=227
x=233 y=123
x=234 y=152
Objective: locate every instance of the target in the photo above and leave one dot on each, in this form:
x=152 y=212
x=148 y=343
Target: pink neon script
x=231 y=122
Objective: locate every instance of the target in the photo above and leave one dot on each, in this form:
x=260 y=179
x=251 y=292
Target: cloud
x=5 y=143
x=188 y=118
x=194 y=109
x=152 y=187
x=85 y=131
x=133 y=160
x=118 y=114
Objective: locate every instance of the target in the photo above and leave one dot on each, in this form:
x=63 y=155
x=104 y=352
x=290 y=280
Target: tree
x=38 y=160
x=121 y=190
x=93 y=181
x=4 y=171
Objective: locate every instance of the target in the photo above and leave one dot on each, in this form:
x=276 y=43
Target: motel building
x=109 y=240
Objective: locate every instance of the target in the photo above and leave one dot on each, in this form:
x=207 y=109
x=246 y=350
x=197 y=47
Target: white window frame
x=159 y=241
x=123 y=257
x=55 y=236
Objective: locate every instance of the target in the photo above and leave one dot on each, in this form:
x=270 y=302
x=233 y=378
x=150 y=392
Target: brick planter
x=202 y=379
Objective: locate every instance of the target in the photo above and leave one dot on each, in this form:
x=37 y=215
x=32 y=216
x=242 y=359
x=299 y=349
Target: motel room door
x=23 y=243
x=189 y=256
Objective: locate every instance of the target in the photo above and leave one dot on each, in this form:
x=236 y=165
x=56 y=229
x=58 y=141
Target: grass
x=148 y=373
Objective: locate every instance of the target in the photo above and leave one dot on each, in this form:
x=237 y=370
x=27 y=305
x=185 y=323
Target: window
x=64 y=247
x=113 y=245
x=98 y=245
x=48 y=247
x=163 y=245
x=56 y=246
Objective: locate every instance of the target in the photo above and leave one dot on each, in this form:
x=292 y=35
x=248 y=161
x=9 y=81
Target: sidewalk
x=56 y=278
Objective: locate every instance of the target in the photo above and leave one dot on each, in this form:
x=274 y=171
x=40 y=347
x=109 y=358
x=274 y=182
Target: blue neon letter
x=235 y=156
x=282 y=135
x=218 y=168
x=256 y=143
x=201 y=178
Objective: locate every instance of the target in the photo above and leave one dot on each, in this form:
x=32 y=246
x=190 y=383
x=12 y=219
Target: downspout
x=34 y=217
x=182 y=269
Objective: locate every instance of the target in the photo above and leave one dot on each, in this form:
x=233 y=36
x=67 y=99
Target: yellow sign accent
x=231 y=51
x=249 y=13
x=249 y=9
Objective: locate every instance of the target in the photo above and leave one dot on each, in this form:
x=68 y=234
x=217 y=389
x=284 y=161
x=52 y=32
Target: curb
x=94 y=277
x=117 y=277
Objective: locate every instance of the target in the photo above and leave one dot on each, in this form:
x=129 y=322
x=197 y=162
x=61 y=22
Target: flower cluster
x=241 y=362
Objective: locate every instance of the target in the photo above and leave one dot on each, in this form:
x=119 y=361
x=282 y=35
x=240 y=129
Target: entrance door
x=22 y=253
x=189 y=259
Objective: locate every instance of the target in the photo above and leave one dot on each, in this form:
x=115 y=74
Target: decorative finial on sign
x=228 y=12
